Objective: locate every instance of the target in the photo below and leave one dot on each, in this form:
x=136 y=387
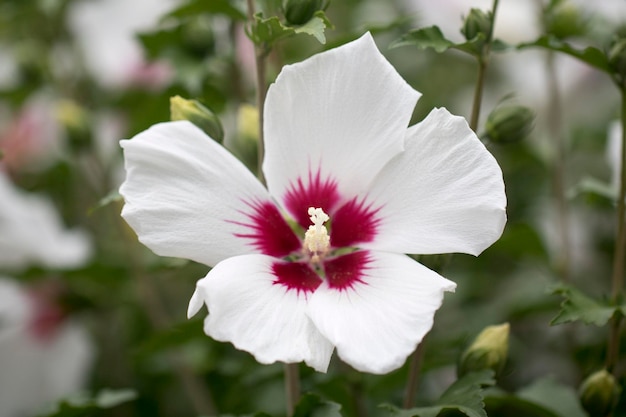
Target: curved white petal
x=186 y=196
x=341 y=114
x=377 y=322
x=248 y=309
x=444 y=193
x=31 y=232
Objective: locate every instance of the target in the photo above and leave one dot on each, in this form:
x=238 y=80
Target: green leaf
x=503 y=404
x=464 y=395
x=579 y=307
x=594 y=187
x=196 y=7
x=432 y=37
x=590 y=55
x=85 y=406
x=560 y=399
x=270 y=30
x=316 y=26
x=311 y=405
x=424 y=38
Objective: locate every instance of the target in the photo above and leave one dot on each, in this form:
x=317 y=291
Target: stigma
x=316 y=238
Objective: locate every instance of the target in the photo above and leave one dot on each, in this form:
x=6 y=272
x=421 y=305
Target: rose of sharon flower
x=316 y=261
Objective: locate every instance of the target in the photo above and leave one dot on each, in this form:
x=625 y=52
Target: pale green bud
x=488 y=351
x=564 y=20
x=599 y=393
x=475 y=23
x=508 y=124
x=76 y=121
x=196 y=113
x=72 y=116
x=298 y=12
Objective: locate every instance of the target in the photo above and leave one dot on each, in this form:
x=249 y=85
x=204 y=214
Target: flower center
x=316 y=238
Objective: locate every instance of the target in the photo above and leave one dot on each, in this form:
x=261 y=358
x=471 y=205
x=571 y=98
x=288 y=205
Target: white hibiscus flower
x=316 y=261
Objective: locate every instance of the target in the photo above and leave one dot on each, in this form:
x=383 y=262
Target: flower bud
x=508 y=124
x=564 y=20
x=75 y=120
x=196 y=113
x=488 y=351
x=599 y=393
x=298 y=12
x=475 y=23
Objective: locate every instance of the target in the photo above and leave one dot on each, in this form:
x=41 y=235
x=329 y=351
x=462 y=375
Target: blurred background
x=93 y=323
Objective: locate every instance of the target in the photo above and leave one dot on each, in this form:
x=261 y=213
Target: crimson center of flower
x=316 y=238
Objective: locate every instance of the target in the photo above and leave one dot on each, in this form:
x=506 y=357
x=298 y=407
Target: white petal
x=444 y=193
x=341 y=114
x=31 y=232
x=186 y=196
x=378 y=321
x=249 y=310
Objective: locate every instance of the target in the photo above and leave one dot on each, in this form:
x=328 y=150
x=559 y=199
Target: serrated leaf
x=590 y=55
x=465 y=395
x=315 y=27
x=424 y=38
x=270 y=30
x=311 y=405
x=195 y=7
x=577 y=306
x=432 y=37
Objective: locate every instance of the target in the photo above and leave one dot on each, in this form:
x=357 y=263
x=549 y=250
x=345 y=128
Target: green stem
x=482 y=69
x=478 y=94
x=292 y=386
x=617 y=279
x=292 y=374
x=555 y=118
x=260 y=54
x=413 y=378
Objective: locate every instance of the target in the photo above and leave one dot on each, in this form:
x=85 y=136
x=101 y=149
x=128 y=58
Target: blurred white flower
x=43 y=355
x=31 y=232
x=106 y=31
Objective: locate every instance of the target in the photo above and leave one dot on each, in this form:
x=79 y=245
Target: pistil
x=316 y=238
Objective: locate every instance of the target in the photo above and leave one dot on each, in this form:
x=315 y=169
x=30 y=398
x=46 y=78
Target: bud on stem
x=196 y=113
x=488 y=351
